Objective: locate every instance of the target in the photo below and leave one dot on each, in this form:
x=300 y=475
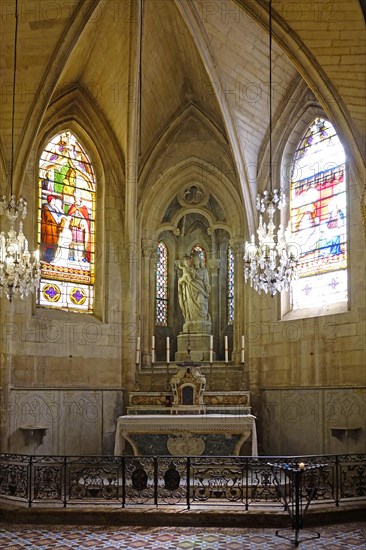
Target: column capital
x=213 y=265
x=148 y=247
x=237 y=245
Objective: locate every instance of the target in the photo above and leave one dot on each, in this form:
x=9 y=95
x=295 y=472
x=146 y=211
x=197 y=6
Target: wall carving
x=75 y=421
x=310 y=421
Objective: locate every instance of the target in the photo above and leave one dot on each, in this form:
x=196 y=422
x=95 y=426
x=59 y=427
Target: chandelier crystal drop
x=270 y=265
x=19 y=269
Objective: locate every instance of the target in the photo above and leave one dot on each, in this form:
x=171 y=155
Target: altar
x=185 y=435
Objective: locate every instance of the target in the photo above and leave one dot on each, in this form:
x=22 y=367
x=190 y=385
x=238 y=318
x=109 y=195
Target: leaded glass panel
x=66 y=225
x=230 y=285
x=162 y=285
x=197 y=249
x=319 y=218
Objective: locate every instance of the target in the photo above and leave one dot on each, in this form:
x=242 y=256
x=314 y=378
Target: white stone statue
x=193 y=290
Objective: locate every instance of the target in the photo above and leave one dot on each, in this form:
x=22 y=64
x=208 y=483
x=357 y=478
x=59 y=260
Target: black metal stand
x=293 y=500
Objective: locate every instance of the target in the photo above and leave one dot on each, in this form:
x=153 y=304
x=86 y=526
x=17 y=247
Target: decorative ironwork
x=217 y=478
x=140 y=480
x=263 y=485
x=353 y=480
x=14 y=480
x=172 y=480
x=93 y=478
x=163 y=480
x=47 y=482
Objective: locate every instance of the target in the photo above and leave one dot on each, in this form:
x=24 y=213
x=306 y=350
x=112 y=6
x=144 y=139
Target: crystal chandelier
x=19 y=270
x=270 y=264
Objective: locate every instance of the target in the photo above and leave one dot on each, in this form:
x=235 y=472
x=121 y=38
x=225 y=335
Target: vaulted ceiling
x=160 y=56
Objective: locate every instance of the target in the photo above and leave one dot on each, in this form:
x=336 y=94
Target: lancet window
x=66 y=225
x=318 y=211
x=230 y=285
x=198 y=249
x=161 y=313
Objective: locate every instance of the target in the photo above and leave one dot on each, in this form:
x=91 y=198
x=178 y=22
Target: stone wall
x=313 y=421
x=63 y=422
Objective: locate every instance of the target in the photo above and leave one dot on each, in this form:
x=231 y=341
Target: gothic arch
x=171 y=130
x=47 y=86
x=161 y=192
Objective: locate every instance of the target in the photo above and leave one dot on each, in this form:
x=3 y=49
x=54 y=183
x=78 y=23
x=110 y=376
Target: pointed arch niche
x=73 y=111
x=190 y=209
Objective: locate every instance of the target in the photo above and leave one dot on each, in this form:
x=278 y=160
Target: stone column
x=149 y=259
x=129 y=269
x=237 y=246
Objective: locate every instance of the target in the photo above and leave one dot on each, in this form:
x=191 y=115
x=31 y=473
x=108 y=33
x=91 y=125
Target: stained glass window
x=66 y=225
x=197 y=249
x=230 y=285
x=318 y=217
x=162 y=285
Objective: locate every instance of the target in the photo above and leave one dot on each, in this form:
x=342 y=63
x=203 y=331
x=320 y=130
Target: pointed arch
x=83 y=15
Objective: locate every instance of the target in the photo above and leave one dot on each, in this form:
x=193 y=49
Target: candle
x=167 y=349
x=153 y=350
x=211 y=349
x=302 y=466
x=226 y=350
x=242 y=348
x=138 y=350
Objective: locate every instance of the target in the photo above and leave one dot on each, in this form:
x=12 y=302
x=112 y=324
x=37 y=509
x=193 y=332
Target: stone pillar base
x=199 y=343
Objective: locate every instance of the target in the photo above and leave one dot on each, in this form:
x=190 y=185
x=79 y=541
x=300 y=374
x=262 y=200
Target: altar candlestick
x=167 y=350
x=226 y=350
x=211 y=349
x=242 y=348
x=153 y=350
x=138 y=350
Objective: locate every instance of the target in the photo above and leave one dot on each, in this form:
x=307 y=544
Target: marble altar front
x=185 y=435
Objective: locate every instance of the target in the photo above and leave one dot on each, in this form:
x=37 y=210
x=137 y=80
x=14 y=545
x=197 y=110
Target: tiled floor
x=62 y=537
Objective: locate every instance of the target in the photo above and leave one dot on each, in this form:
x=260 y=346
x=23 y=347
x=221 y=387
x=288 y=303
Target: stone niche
x=63 y=422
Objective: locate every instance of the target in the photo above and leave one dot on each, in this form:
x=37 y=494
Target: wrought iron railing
x=245 y=482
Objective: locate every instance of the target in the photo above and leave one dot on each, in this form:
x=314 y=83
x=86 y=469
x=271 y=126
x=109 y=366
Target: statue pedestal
x=197 y=327
x=199 y=344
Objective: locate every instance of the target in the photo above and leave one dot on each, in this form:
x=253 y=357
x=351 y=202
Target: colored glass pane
x=197 y=249
x=318 y=218
x=66 y=224
x=162 y=285
x=230 y=286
